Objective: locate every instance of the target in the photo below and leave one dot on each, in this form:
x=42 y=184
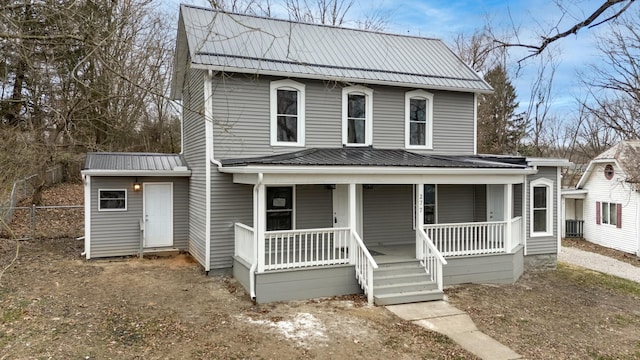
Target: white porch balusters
x=508 y=215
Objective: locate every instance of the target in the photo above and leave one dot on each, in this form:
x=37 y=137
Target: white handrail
x=475 y=238
x=364 y=265
x=430 y=258
x=244 y=247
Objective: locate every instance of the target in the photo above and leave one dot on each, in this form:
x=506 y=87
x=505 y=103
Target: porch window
x=429 y=204
x=418 y=119
x=357 y=109
x=287 y=113
x=112 y=200
x=541 y=207
x=279 y=208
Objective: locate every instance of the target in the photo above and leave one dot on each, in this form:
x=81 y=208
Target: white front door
x=495 y=202
x=158 y=214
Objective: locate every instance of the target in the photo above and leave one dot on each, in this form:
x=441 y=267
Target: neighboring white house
x=604 y=206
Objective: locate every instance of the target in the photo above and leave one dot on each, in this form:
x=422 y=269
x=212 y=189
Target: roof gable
x=626 y=156
x=257 y=45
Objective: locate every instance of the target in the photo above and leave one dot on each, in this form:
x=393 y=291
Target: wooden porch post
x=351 y=216
x=419 y=218
x=259 y=224
x=508 y=215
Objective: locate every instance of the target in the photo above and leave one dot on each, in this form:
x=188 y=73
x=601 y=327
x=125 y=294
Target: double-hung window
x=357 y=116
x=541 y=205
x=287 y=113
x=418 y=119
x=609 y=213
x=280 y=208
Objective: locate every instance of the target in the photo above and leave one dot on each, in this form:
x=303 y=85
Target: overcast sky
x=445 y=19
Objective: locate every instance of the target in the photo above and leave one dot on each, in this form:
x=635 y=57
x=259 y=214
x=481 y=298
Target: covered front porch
x=390 y=235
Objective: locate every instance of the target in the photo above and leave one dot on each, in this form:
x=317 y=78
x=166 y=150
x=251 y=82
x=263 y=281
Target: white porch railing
x=304 y=248
x=474 y=238
x=430 y=258
x=244 y=245
x=364 y=265
x=516 y=232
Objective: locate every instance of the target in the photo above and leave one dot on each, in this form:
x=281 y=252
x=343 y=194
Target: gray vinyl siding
x=300 y=284
x=484 y=269
x=480 y=204
x=117 y=233
x=455 y=203
x=230 y=203
x=517 y=200
x=543 y=244
x=388 y=215
x=242 y=123
x=194 y=148
x=314 y=207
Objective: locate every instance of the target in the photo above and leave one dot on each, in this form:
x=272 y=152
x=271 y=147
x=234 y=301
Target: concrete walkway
x=442 y=317
x=599 y=263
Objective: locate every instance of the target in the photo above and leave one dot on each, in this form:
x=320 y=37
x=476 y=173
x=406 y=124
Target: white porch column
x=351 y=217
x=259 y=223
x=419 y=218
x=508 y=215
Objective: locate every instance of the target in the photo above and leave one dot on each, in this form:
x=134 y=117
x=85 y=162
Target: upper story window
x=287 y=113
x=357 y=116
x=418 y=119
x=541 y=199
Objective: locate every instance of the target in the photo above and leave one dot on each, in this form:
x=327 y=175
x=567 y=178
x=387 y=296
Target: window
x=429 y=204
x=541 y=200
x=608 y=172
x=357 y=116
x=287 y=113
x=112 y=200
x=279 y=208
x=418 y=119
x=610 y=214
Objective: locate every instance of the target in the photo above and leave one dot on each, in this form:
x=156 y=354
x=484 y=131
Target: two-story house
x=321 y=161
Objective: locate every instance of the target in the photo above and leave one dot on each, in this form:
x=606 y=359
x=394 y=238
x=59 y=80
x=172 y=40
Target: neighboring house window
x=418 y=119
x=609 y=213
x=279 y=208
x=287 y=113
x=357 y=116
x=541 y=207
x=112 y=200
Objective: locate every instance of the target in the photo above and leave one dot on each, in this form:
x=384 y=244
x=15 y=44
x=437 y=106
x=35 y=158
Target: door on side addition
x=158 y=214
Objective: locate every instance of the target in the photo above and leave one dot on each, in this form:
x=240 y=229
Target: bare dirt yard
x=55 y=305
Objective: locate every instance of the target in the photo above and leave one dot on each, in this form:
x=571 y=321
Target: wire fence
x=44 y=222
x=24 y=188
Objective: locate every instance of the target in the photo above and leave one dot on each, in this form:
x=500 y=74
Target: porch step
x=405 y=298
x=403 y=282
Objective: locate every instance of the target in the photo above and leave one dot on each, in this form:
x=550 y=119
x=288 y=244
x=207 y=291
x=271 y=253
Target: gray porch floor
x=392 y=253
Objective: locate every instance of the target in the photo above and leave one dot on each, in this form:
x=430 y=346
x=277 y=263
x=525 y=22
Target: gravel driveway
x=599 y=263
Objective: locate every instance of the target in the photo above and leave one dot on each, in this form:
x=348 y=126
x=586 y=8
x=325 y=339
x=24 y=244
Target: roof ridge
x=309 y=23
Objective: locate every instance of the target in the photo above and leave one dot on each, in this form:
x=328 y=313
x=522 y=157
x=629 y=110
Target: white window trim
x=287 y=85
x=415 y=207
x=608 y=223
x=126 y=200
x=419 y=94
x=293 y=206
x=549 y=185
x=368 y=93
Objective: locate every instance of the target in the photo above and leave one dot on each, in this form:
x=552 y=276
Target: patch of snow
x=303 y=328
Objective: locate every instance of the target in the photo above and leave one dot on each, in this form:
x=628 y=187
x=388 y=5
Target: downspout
x=254 y=263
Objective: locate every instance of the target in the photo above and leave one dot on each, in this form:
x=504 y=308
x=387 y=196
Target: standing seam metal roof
x=258 y=45
x=133 y=161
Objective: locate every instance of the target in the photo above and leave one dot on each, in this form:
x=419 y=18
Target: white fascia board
x=166 y=173
x=589 y=169
x=372 y=170
x=318 y=179
x=231 y=69
x=574 y=193
x=548 y=162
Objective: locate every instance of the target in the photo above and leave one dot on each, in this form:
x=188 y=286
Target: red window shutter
x=598 y=212
x=619 y=215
